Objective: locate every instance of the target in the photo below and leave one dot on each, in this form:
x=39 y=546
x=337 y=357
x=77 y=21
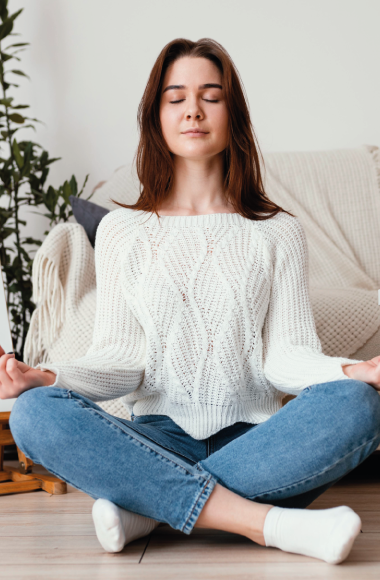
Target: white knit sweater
x=206 y=319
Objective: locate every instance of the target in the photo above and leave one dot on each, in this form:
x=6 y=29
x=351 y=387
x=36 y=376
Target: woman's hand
x=17 y=377
x=368 y=372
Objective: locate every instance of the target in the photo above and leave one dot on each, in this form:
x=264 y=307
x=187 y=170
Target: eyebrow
x=205 y=86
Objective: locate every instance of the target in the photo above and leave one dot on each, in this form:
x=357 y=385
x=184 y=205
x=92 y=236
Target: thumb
x=375 y=360
x=21 y=378
x=12 y=368
x=23 y=367
x=16 y=369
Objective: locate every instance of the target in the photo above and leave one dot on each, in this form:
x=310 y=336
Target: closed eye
x=208 y=101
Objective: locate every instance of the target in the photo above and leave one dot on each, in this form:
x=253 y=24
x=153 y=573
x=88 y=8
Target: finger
x=2 y=351
x=5 y=379
x=21 y=365
x=4 y=358
x=14 y=372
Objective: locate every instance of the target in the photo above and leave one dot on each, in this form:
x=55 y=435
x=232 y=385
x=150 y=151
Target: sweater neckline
x=209 y=219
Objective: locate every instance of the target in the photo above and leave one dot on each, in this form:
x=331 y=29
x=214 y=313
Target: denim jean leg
x=78 y=441
x=304 y=448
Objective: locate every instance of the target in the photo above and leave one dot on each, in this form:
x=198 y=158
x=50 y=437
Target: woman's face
x=193 y=97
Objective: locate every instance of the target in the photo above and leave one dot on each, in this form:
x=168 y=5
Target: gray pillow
x=88 y=215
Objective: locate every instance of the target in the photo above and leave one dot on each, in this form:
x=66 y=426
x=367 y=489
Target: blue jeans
x=152 y=467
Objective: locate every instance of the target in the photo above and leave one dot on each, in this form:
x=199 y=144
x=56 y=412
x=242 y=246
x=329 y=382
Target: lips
x=195 y=131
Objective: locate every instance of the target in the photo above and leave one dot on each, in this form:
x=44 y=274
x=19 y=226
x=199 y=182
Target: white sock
x=115 y=527
x=325 y=534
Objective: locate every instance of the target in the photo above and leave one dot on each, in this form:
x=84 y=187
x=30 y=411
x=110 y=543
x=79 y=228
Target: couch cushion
x=88 y=215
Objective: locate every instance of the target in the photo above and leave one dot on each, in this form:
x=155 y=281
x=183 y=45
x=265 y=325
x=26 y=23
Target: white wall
x=310 y=68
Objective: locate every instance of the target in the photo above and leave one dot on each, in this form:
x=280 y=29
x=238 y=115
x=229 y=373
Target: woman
x=203 y=323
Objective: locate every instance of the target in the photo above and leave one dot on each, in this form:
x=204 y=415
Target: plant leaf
x=19 y=44
x=13 y=17
x=5 y=232
x=30 y=240
x=17 y=118
x=3 y=10
x=74 y=186
x=66 y=192
x=5 y=28
x=17 y=154
x=7 y=102
x=5 y=57
x=51 y=198
x=19 y=72
x=84 y=184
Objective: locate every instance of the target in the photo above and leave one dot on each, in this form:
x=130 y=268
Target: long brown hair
x=154 y=162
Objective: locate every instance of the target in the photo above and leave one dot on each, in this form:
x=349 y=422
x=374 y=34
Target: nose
x=197 y=116
x=193 y=110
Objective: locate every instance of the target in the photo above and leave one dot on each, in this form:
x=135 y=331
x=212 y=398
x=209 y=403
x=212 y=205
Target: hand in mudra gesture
x=368 y=372
x=17 y=377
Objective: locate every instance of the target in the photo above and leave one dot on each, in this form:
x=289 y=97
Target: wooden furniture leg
x=21 y=479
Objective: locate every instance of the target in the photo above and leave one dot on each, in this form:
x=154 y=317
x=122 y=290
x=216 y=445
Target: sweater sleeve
x=114 y=364
x=293 y=358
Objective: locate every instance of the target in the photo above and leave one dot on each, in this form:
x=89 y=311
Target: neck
x=198 y=188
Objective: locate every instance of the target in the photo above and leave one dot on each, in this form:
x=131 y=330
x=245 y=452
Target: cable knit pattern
x=203 y=318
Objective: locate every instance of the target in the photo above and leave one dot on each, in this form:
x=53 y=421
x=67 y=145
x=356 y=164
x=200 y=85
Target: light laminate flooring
x=46 y=536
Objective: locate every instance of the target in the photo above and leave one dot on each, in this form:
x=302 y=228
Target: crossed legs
x=235 y=488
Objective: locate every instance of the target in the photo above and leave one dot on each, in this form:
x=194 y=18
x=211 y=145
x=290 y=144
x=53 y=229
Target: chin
x=197 y=152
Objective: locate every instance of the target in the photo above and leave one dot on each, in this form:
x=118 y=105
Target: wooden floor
x=52 y=537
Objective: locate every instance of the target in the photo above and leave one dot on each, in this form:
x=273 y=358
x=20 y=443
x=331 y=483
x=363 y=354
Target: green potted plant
x=24 y=168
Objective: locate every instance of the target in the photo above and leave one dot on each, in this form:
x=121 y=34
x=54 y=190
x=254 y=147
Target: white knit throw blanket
x=64 y=289
x=344 y=271
x=336 y=196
